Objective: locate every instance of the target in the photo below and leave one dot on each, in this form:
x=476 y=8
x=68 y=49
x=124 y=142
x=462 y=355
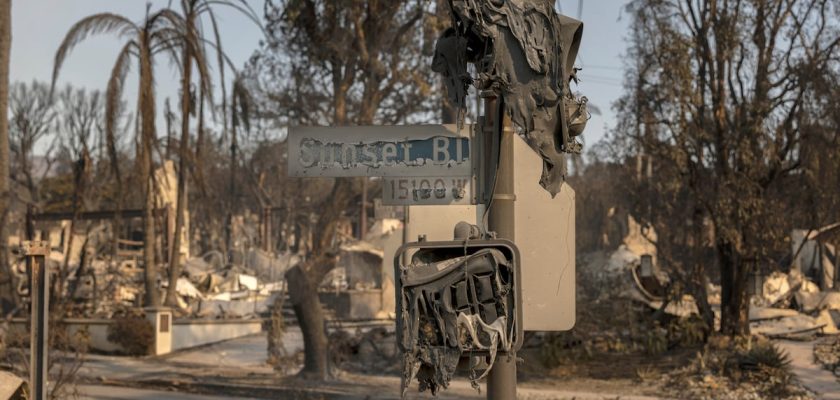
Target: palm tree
x=142 y=41
x=240 y=109
x=5 y=51
x=193 y=51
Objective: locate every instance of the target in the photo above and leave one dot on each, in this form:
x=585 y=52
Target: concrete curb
x=340 y=390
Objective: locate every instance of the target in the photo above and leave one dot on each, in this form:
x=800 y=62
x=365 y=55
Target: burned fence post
x=39 y=280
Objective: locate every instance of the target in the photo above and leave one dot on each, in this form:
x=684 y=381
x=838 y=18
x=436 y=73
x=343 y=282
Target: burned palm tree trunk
x=5 y=50
x=80 y=172
x=147 y=111
x=183 y=154
x=232 y=181
x=231 y=192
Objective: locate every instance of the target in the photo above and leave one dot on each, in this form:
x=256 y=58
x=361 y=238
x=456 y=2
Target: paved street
x=812 y=375
x=238 y=367
x=248 y=352
x=121 y=393
x=245 y=359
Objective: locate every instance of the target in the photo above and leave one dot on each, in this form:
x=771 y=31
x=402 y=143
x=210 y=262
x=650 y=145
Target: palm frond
x=168 y=18
x=244 y=103
x=200 y=59
x=112 y=102
x=227 y=61
x=239 y=5
x=206 y=6
x=220 y=56
x=170 y=41
x=91 y=25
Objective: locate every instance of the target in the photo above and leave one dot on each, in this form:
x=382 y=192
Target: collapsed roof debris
x=241 y=284
x=524 y=51
x=815 y=253
x=790 y=305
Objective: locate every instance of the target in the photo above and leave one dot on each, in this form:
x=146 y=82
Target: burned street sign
x=387 y=151
x=427 y=191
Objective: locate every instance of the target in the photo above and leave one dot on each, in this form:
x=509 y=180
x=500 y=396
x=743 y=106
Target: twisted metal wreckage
x=524 y=51
x=462 y=300
x=452 y=307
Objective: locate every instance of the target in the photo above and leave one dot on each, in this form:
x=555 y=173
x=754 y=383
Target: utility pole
x=363 y=211
x=39 y=280
x=501 y=381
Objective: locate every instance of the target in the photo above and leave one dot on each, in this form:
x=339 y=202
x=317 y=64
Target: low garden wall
x=185 y=333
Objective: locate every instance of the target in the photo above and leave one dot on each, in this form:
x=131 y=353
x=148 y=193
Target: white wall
x=186 y=334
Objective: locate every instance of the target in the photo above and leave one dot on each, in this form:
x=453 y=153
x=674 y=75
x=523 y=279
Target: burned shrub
x=343 y=347
x=133 y=333
x=687 y=332
x=364 y=351
x=275 y=327
x=764 y=356
x=67 y=347
x=733 y=369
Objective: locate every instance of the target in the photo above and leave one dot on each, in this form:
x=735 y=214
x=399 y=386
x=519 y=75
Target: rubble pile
x=800 y=304
x=241 y=284
x=793 y=307
x=213 y=290
x=208 y=288
x=614 y=320
x=789 y=305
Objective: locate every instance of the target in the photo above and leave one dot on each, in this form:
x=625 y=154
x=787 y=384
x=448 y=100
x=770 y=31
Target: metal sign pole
x=501 y=381
x=39 y=279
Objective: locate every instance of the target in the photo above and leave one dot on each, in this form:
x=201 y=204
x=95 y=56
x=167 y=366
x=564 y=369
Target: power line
x=584 y=80
x=609 y=67
x=601 y=82
x=602 y=77
x=605 y=84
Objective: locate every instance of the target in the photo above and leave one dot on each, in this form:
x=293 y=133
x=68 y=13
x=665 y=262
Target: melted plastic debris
x=473 y=329
x=433 y=367
x=451 y=308
x=525 y=51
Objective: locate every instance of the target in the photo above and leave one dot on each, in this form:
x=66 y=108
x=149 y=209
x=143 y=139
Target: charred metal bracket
x=456 y=299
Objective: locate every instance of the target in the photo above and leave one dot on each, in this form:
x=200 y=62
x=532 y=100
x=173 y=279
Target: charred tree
x=347 y=63
x=719 y=106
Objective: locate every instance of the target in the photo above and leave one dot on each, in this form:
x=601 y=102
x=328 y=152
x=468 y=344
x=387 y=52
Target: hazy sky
x=38 y=27
x=601 y=53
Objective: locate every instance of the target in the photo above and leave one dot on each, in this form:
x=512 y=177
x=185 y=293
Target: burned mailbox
x=456 y=300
